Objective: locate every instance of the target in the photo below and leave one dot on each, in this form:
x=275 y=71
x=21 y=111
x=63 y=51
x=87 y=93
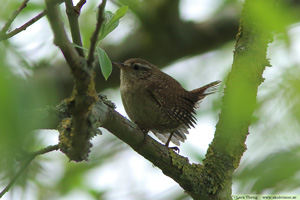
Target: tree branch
x=74 y=25
x=25 y=165
x=171 y=164
x=13 y=17
x=95 y=35
x=4 y=36
x=60 y=37
x=79 y=6
x=239 y=100
x=75 y=130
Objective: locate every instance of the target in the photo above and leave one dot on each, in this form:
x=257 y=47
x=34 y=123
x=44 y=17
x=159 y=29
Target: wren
x=156 y=102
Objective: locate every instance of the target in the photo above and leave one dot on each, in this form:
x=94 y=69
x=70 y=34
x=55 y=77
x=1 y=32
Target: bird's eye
x=136 y=66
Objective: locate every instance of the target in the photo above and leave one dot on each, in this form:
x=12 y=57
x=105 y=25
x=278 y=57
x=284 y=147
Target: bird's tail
x=206 y=90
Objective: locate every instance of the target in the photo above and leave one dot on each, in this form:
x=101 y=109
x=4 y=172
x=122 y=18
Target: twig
x=4 y=36
x=13 y=17
x=79 y=6
x=74 y=25
x=60 y=37
x=25 y=165
x=95 y=35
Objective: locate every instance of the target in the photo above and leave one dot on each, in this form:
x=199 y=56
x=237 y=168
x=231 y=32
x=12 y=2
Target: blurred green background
x=194 y=41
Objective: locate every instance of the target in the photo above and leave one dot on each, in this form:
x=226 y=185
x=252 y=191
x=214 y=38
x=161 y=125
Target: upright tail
x=207 y=89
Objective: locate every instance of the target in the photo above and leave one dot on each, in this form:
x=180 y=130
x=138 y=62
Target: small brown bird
x=157 y=102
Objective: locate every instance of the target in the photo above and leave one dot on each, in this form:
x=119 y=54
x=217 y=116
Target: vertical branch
x=239 y=100
x=60 y=37
x=74 y=25
x=95 y=35
x=76 y=130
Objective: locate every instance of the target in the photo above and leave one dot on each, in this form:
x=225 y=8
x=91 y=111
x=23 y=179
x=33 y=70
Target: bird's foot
x=175 y=148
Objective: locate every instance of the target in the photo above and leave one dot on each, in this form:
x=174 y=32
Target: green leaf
x=120 y=13
x=111 y=21
x=104 y=28
x=105 y=63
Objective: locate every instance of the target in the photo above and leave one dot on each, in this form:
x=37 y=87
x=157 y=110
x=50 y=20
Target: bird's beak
x=119 y=65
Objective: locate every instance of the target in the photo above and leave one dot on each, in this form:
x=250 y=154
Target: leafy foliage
x=105 y=63
x=111 y=21
x=109 y=24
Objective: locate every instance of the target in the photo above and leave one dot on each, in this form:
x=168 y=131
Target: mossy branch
x=75 y=130
x=239 y=100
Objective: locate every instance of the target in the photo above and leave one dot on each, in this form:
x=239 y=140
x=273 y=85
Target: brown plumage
x=157 y=102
